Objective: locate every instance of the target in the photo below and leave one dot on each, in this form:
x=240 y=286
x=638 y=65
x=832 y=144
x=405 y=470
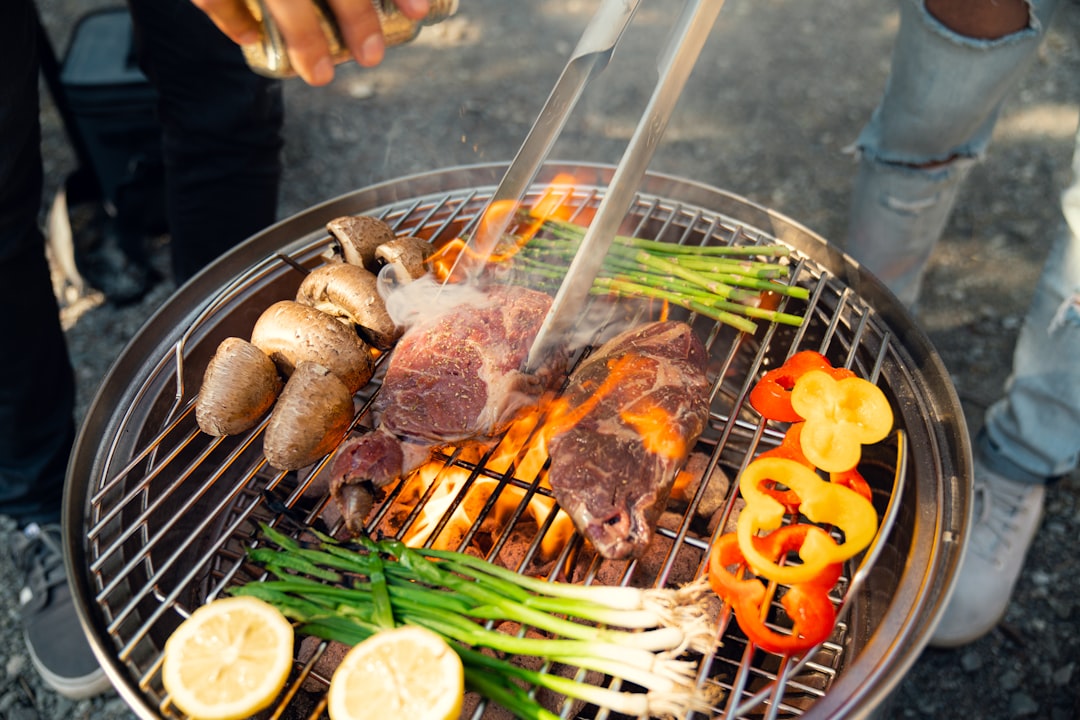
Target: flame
x=520 y=454
x=653 y=423
x=456 y=259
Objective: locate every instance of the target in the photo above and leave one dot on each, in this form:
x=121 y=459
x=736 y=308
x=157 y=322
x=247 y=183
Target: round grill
x=159 y=515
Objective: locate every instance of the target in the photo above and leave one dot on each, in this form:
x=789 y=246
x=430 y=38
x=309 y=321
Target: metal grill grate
x=167 y=511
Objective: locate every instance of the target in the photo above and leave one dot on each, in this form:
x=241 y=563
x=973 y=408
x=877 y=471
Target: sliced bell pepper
x=841 y=416
x=790 y=447
x=807 y=604
x=820 y=501
x=771 y=395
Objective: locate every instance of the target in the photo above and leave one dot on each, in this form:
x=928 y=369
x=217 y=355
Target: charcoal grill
x=158 y=515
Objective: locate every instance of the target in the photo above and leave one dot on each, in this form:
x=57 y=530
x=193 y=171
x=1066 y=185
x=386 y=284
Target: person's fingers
x=309 y=51
x=414 y=9
x=360 y=29
x=232 y=18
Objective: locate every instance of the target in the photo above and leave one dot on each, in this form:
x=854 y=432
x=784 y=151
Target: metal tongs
x=591 y=55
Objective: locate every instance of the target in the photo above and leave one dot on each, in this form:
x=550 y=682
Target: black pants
x=221 y=144
x=221 y=132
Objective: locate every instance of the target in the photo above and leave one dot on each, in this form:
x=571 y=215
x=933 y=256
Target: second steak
x=623 y=428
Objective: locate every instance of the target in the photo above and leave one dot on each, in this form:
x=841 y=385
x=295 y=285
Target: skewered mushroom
x=406 y=255
x=350 y=292
x=310 y=418
x=290 y=333
x=358 y=236
x=239 y=385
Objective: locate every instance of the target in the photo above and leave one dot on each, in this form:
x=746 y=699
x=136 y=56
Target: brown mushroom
x=290 y=333
x=358 y=236
x=406 y=255
x=350 y=292
x=240 y=384
x=310 y=418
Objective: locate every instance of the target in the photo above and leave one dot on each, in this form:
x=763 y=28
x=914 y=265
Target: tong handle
x=688 y=37
x=589 y=58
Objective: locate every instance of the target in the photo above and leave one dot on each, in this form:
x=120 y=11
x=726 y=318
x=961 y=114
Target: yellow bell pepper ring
x=821 y=502
x=841 y=416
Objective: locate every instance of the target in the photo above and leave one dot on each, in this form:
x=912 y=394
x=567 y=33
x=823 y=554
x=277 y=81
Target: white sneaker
x=1007 y=514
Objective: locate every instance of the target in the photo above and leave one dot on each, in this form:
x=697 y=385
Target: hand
x=308 y=50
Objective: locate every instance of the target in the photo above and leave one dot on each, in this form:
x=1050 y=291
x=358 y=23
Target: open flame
x=451 y=500
x=500 y=233
x=459 y=500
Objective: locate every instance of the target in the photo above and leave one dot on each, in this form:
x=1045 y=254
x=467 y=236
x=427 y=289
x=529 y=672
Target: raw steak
x=452 y=378
x=623 y=428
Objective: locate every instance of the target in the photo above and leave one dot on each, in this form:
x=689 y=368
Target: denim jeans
x=943 y=97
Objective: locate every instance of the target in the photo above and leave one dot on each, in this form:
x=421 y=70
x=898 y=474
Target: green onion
x=348 y=592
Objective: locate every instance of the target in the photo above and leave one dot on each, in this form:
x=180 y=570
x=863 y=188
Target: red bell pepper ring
x=807 y=603
x=820 y=501
x=771 y=395
x=791 y=448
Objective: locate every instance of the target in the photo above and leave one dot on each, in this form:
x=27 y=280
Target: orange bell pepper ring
x=807 y=604
x=820 y=501
x=841 y=416
x=771 y=395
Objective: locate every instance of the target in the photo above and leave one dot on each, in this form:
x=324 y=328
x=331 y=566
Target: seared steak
x=623 y=428
x=452 y=378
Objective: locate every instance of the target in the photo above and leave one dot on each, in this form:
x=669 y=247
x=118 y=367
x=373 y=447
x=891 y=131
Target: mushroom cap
x=359 y=236
x=290 y=333
x=350 y=292
x=310 y=419
x=406 y=253
x=239 y=385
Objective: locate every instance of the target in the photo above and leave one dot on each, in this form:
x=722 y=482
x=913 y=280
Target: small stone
x=1022 y=704
x=15 y=665
x=971 y=661
x=1063 y=675
x=1010 y=680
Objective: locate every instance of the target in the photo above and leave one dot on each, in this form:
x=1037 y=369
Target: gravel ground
x=779 y=93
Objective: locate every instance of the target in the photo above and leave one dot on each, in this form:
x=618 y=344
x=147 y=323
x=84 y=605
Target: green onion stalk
x=724 y=283
x=346 y=592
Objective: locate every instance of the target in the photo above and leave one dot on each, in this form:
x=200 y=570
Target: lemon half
x=407 y=672
x=229 y=659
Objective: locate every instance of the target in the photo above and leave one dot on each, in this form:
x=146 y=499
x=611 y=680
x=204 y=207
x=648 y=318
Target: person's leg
x=1030 y=435
x=221 y=132
x=1033 y=432
x=37 y=388
x=36 y=380
x=953 y=64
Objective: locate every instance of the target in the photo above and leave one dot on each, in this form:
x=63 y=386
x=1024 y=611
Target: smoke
x=409 y=303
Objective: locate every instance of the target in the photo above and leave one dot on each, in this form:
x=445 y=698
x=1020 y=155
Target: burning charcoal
x=718 y=516
x=689 y=479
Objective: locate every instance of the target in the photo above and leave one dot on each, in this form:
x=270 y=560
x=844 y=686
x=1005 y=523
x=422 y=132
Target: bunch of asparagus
x=725 y=283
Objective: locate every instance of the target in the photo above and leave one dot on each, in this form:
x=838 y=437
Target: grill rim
x=886 y=654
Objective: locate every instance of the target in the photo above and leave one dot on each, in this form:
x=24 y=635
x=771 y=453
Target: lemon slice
x=229 y=659
x=407 y=672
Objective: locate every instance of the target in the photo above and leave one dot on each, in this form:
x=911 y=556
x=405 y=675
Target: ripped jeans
x=943 y=97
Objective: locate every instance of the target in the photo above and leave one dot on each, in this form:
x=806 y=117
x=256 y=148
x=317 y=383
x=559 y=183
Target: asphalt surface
x=776 y=98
